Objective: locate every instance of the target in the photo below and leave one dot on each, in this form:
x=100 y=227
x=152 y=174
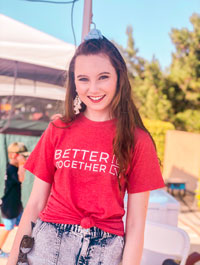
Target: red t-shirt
x=79 y=163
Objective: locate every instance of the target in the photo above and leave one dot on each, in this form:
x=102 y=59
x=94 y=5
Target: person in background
x=11 y=205
x=40 y=115
x=83 y=164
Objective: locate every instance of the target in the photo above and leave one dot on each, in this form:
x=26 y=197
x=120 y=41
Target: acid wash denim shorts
x=64 y=244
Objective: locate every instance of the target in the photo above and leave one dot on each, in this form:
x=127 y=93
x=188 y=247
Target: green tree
x=134 y=62
x=152 y=101
x=185 y=67
x=172 y=96
x=184 y=78
x=188 y=120
x=147 y=82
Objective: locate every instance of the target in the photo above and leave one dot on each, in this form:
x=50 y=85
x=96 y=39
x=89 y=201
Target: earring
x=77 y=104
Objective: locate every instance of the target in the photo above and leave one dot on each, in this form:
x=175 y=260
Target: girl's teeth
x=96 y=98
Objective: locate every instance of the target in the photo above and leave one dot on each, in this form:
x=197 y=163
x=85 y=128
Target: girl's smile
x=96 y=99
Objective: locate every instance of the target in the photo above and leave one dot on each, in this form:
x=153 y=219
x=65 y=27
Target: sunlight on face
x=96 y=82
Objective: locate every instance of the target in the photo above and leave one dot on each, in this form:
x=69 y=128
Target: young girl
x=83 y=165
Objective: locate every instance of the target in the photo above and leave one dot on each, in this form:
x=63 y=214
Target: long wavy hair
x=122 y=106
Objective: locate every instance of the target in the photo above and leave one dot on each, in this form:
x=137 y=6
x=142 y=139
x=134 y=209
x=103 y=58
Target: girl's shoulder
x=143 y=139
x=56 y=126
x=141 y=135
x=58 y=123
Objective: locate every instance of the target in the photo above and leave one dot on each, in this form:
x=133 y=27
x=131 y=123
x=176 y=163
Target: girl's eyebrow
x=102 y=73
x=78 y=76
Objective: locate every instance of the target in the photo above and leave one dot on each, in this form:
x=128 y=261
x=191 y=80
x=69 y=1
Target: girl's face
x=96 y=83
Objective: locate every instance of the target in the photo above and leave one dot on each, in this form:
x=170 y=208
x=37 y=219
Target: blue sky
x=151 y=20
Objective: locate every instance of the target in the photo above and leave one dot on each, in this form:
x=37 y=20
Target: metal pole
x=7 y=123
x=87 y=18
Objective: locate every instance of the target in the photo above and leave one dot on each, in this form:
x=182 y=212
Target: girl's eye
x=103 y=77
x=83 y=79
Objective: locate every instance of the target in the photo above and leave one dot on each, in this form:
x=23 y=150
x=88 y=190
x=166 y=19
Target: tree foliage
x=185 y=67
x=152 y=102
x=174 y=96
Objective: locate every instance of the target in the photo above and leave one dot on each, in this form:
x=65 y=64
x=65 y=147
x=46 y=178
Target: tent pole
x=7 y=124
x=87 y=18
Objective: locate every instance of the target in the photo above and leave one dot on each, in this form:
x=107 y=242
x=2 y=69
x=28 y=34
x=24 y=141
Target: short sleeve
x=145 y=171
x=41 y=160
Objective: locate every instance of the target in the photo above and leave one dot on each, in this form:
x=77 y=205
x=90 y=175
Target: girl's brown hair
x=122 y=105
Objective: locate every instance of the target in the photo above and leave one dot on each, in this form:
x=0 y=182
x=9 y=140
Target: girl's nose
x=93 y=87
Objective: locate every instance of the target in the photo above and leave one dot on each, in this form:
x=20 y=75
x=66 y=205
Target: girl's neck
x=97 y=116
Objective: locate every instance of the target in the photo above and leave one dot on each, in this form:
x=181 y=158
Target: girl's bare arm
x=37 y=201
x=135 y=224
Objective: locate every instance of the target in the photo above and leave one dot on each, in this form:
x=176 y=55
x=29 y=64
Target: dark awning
x=32 y=72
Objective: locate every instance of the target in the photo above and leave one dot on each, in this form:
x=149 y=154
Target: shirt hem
x=120 y=233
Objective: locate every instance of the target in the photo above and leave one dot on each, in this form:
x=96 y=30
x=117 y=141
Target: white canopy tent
x=29 y=88
x=19 y=42
x=28 y=53
x=32 y=63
